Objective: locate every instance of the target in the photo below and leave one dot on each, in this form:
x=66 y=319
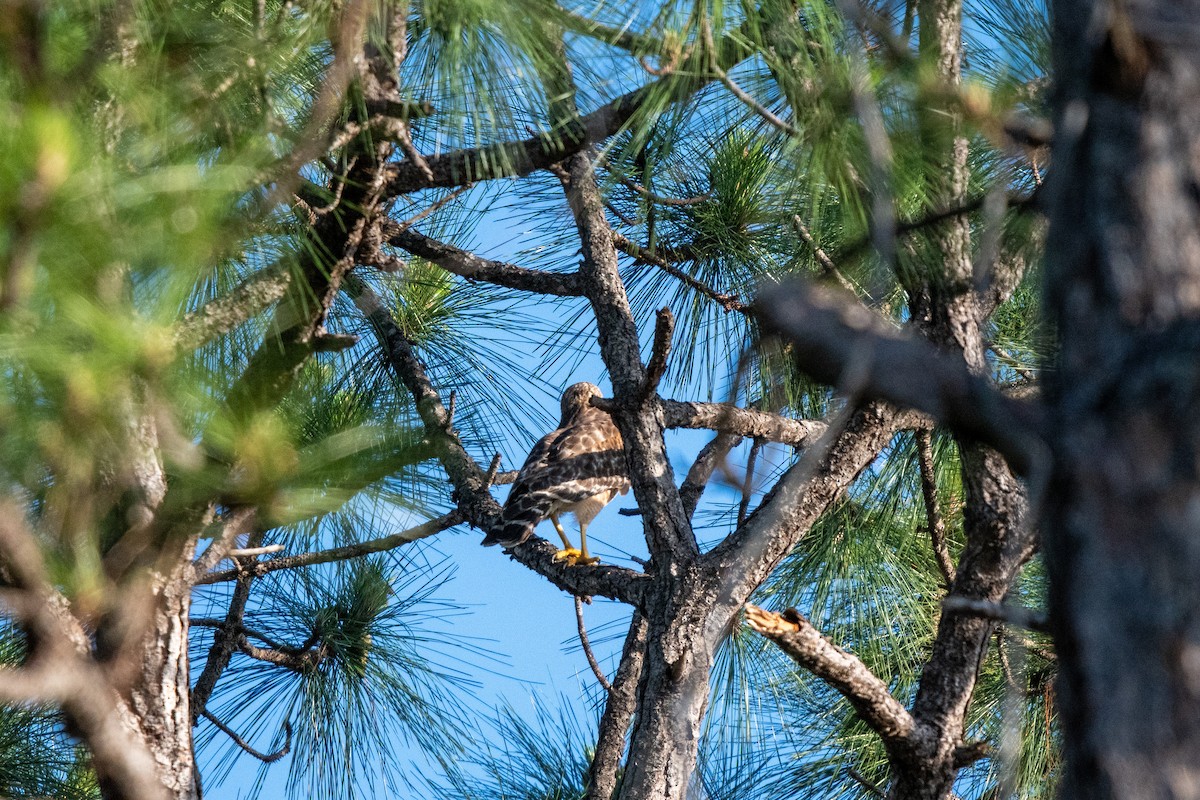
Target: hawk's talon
x=569 y=555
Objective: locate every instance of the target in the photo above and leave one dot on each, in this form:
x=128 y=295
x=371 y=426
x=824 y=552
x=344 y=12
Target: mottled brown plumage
x=577 y=468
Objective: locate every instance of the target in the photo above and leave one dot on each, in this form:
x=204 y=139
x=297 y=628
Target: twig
x=664 y=326
x=490 y=477
x=260 y=568
x=400 y=227
x=660 y=199
x=822 y=257
x=933 y=514
x=738 y=91
x=858 y=778
x=247 y=552
x=240 y=742
x=1013 y=362
x=729 y=302
x=587 y=647
x=1012 y=615
x=450 y=409
x=748 y=483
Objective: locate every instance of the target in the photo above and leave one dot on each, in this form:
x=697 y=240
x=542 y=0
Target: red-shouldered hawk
x=576 y=469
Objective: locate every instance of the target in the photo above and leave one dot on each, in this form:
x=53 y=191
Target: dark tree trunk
x=1123 y=503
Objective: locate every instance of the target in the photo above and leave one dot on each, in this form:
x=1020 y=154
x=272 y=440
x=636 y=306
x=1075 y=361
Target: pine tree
x=243 y=332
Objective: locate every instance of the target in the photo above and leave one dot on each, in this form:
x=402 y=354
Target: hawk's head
x=576 y=399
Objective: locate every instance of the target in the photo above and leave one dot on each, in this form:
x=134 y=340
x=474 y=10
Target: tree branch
x=259 y=568
x=268 y=758
x=664 y=326
x=827 y=332
x=933 y=514
x=472 y=267
x=729 y=302
x=845 y=673
x=702 y=469
x=728 y=418
x=521 y=157
x=618 y=711
x=587 y=646
x=222 y=314
x=1018 y=616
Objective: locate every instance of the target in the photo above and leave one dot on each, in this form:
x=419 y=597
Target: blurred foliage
x=141 y=147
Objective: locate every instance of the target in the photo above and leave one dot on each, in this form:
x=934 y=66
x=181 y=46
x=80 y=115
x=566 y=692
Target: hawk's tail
x=521 y=515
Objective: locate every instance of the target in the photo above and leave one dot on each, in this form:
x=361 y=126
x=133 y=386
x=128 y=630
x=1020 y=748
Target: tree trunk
x=1123 y=505
x=159 y=700
x=673 y=694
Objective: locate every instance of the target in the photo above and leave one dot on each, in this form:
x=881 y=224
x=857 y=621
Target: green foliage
x=142 y=151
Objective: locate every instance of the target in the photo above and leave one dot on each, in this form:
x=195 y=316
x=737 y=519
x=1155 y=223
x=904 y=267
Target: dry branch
x=869 y=695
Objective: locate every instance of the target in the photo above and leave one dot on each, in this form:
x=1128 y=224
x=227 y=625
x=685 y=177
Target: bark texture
x=1123 y=505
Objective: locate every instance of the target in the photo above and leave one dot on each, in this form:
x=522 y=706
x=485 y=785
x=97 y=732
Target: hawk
x=576 y=469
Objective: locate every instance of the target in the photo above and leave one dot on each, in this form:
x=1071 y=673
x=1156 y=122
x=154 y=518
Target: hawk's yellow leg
x=568 y=553
x=584 y=558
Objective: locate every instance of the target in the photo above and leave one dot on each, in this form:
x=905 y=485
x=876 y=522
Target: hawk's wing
x=566 y=466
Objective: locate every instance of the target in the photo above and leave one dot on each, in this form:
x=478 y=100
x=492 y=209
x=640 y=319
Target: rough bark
x=1123 y=286
x=159 y=700
x=618 y=711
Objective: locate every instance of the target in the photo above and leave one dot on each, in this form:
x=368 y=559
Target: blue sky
x=529 y=624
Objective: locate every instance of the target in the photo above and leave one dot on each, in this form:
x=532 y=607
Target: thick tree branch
x=728 y=418
x=845 y=673
x=517 y=158
x=827 y=333
x=222 y=314
x=472 y=267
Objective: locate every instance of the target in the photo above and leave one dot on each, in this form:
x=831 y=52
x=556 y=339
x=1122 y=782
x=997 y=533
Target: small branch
x=1012 y=615
x=587 y=647
x=748 y=482
x=858 y=778
x=489 y=479
x=822 y=257
x=618 y=711
x=664 y=326
x=474 y=268
x=260 y=568
x=658 y=198
x=729 y=302
x=933 y=514
x=247 y=552
x=702 y=469
x=738 y=91
x=845 y=673
x=826 y=331
x=268 y=758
